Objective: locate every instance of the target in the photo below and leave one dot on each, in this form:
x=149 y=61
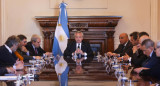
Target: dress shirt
x=125 y=44
x=8 y=49
x=27 y=53
x=79 y=44
x=34 y=48
x=14 y=66
x=151 y=54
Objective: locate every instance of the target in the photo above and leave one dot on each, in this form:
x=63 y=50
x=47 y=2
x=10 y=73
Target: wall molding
x=81 y=4
x=154 y=20
x=2 y=9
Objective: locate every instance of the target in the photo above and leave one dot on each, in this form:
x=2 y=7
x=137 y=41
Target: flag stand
x=59 y=76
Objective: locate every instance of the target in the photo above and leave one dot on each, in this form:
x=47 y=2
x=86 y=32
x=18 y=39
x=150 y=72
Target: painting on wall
x=81 y=4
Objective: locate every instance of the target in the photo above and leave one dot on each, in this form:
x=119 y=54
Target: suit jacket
x=151 y=61
x=71 y=47
x=127 y=49
x=138 y=58
x=6 y=58
x=32 y=51
x=154 y=71
x=3 y=70
x=24 y=55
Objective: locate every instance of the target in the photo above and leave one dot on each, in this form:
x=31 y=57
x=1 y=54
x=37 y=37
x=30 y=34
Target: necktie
x=123 y=47
x=79 y=55
x=18 y=55
x=79 y=46
x=36 y=51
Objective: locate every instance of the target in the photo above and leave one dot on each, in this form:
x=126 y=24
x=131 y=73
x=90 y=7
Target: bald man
x=125 y=46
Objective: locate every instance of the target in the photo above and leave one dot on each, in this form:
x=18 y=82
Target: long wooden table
x=94 y=74
x=94 y=71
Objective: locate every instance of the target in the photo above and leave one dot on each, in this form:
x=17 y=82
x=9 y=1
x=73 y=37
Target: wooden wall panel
x=96 y=29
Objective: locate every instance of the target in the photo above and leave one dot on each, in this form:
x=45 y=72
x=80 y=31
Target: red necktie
x=36 y=51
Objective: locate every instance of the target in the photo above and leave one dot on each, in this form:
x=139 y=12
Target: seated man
x=125 y=46
x=138 y=57
x=78 y=47
x=23 y=51
x=134 y=39
x=7 y=55
x=148 y=49
x=34 y=47
x=155 y=70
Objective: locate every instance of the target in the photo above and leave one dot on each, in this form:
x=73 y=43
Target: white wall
x=19 y=16
x=158 y=36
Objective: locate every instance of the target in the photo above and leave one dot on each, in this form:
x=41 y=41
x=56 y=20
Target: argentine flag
x=60 y=44
x=61 y=33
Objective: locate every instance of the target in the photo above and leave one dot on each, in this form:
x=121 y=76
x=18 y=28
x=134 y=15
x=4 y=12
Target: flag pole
x=62 y=1
x=66 y=82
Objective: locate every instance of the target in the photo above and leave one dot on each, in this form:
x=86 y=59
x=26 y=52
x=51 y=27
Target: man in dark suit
x=125 y=46
x=138 y=56
x=148 y=49
x=8 y=60
x=155 y=70
x=34 y=47
x=78 y=47
x=7 y=56
x=23 y=50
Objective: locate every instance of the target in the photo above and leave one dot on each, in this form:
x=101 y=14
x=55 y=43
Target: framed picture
x=81 y=4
